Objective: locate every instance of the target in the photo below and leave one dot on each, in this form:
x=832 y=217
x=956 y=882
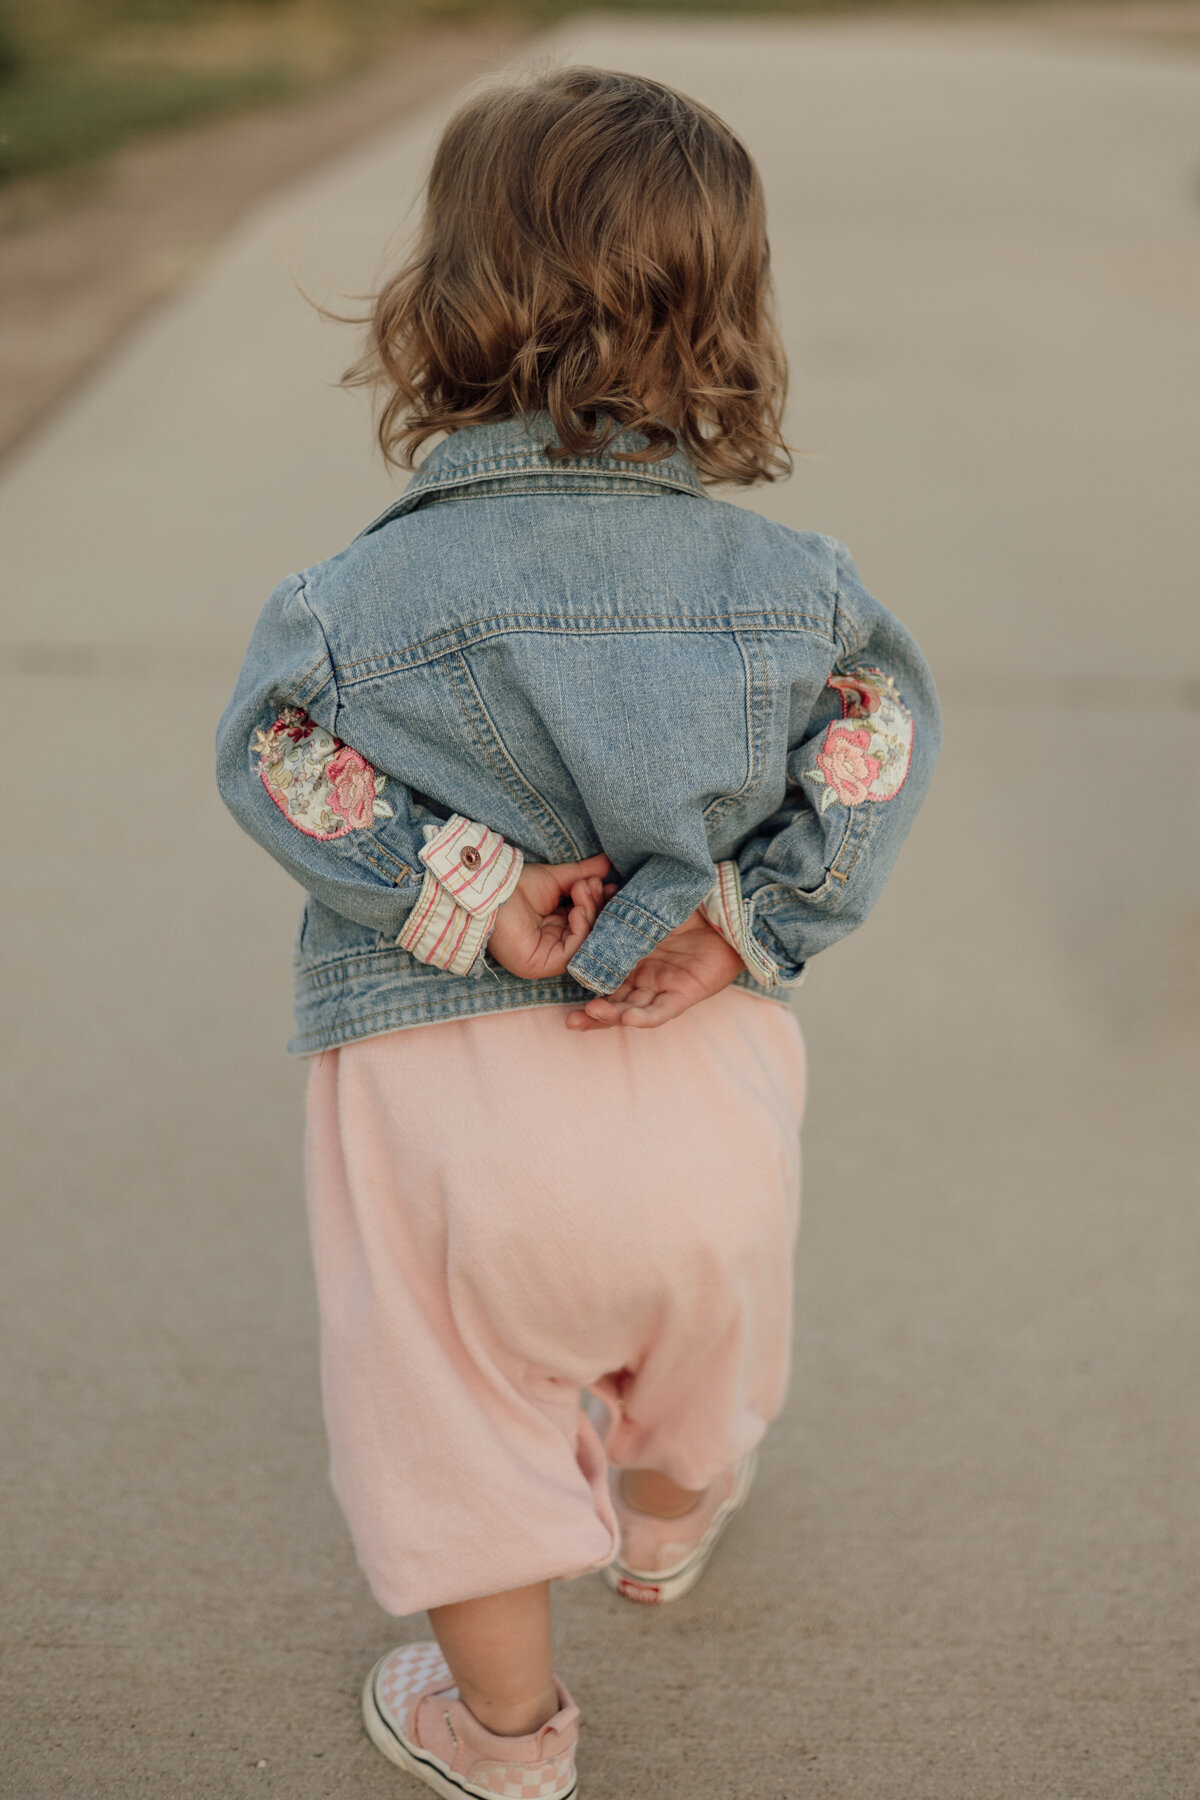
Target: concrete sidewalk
x=970 y=1570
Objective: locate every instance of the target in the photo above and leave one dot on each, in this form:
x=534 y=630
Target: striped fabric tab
x=725 y=909
x=441 y=932
x=474 y=864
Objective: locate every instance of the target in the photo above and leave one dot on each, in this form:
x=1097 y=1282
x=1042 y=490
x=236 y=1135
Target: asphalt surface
x=970 y=1569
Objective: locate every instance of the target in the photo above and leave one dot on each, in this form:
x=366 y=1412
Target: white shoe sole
x=655 y=1588
x=392 y=1743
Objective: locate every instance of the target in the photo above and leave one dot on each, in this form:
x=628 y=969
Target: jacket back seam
x=716 y=810
x=434 y=649
x=502 y=765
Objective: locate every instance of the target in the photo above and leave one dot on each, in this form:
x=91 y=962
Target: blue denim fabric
x=583 y=655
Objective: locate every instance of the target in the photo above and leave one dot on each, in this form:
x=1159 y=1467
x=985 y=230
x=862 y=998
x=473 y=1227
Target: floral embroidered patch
x=867 y=759
x=319 y=784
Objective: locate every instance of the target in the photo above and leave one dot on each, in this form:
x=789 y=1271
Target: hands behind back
x=691 y=964
x=541 y=926
x=539 y=929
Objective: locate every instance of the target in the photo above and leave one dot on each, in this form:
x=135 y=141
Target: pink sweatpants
x=505 y=1213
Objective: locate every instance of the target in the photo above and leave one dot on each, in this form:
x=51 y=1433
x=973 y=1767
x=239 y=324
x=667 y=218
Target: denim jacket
x=546 y=659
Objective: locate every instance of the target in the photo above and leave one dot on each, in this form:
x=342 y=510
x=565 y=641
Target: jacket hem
x=404 y=1015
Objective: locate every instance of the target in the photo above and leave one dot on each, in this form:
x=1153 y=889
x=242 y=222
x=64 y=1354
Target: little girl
x=578 y=766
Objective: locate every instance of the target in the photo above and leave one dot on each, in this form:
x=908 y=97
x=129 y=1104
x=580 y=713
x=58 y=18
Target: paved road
x=970 y=1572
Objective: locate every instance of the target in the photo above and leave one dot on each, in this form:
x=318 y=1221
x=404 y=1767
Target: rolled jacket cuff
x=476 y=867
x=623 y=934
x=442 y=933
x=726 y=911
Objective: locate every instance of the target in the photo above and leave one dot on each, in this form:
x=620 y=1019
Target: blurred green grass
x=80 y=77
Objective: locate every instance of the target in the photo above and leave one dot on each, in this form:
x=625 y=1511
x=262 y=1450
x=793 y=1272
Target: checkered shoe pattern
x=408 y=1673
x=413 y=1714
x=527 y=1781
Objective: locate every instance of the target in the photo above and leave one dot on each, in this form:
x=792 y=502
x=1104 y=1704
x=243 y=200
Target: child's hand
x=542 y=924
x=690 y=965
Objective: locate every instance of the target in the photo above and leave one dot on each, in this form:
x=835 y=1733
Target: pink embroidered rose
x=351 y=787
x=844 y=762
x=860 y=698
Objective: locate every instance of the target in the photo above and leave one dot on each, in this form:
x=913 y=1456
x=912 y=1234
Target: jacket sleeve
x=860 y=756
x=857 y=773
x=350 y=834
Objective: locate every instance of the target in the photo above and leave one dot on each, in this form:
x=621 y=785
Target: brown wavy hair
x=593 y=247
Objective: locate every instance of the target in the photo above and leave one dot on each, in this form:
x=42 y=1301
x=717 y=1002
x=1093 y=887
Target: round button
x=471 y=858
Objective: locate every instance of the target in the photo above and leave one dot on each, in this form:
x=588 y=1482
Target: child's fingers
x=590 y=889
x=635 y=999
x=579 y=1021
x=649 y=1009
x=639 y=1007
x=571 y=923
x=601 y=1012
x=588 y=893
x=579 y=922
x=567 y=874
x=586 y=900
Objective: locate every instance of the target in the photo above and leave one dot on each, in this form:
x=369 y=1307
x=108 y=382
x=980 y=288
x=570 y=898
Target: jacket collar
x=515 y=448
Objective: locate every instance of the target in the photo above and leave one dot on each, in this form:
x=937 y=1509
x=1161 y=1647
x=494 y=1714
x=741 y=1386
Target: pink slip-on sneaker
x=413 y=1714
x=662 y=1559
